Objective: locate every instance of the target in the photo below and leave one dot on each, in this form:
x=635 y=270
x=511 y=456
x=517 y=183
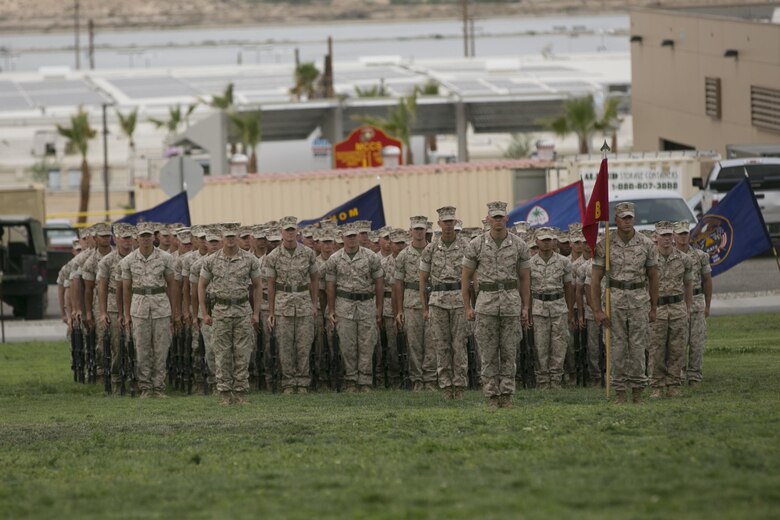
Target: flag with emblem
x=366 y=206
x=558 y=208
x=598 y=206
x=176 y=209
x=732 y=231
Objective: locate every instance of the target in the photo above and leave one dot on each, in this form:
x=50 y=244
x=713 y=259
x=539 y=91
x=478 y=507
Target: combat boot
x=505 y=401
x=350 y=388
x=429 y=387
x=620 y=397
x=145 y=394
x=417 y=387
x=673 y=391
x=288 y=390
x=225 y=398
x=636 y=395
x=115 y=388
x=457 y=392
x=493 y=401
x=693 y=382
x=447 y=393
x=303 y=390
x=656 y=393
x=239 y=398
x=365 y=389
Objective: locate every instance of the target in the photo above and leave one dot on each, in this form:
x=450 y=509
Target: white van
x=652 y=206
x=764 y=175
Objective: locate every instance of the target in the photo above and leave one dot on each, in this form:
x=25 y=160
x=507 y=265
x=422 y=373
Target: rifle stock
x=107 y=361
x=274 y=360
x=122 y=361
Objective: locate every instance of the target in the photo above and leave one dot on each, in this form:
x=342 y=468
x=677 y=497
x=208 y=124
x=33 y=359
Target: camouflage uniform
x=229 y=279
x=498 y=329
x=669 y=332
x=593 y=328
x=355 y=308
x=422 y=356
x=89 y=274
x=629 y=262
x=293 y=310
x=550 y=325
x=445 y=315
x=109 y=270
x=150 y=310
x=207 y=331
x=698 y=325
x=388 y=321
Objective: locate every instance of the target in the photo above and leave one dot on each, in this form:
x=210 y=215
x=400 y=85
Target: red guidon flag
x=598 y=207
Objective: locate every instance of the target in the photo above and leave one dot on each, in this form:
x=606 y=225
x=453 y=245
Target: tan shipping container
x=406 y=191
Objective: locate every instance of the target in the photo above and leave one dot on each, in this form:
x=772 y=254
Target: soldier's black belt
x=112 y=290
x=265 y=296
x=148 y=291
x=668 y=300
x=697 y=291
x=358 y=297
x=232 y=301
x=452 y=286
x=628 y=286
x=415 y=286
x=388 y=292
x=548 y=297
x=500 y=286
x=291 y=288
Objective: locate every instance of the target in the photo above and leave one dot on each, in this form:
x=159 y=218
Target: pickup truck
x=23 y=264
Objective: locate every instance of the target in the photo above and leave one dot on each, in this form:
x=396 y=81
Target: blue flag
x=366 y=206
x=176 y=209
x=732 y=231
x=558 y=208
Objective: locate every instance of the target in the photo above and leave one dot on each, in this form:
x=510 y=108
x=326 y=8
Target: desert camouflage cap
x=625 y=209
x=446 y=213
x=398 y=236
x=458 y=225
x=418 y=222
x=288 y=223
x=682 y=227
x=230 y=229
x=102 y=229
x=350 y=229
x=213 y=233
x=164 y=229
x=521 y=227
x=123 y=230
x=258 y=231
x=563 y=236
x=198 y=231
x=664 y=227
x=244 y=231
x=545 y=233
x=373 y=236
x=385 y=232
x=145 y=228
x=496 y=208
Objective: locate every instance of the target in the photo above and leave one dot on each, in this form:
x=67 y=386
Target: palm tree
x=174 y=121
x=610 y=121
x=306 y=76
x=78 y=136
x=128 y=123
x=579 y=117
x=222 y=102
x=372 y=91
x=399 y=122
x=249 y=129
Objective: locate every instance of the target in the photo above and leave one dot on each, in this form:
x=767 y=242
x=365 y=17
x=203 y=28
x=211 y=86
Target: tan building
x=705 y=78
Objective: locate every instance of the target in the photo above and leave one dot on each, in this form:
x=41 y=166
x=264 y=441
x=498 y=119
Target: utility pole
x=76 y=27
x=465 y=7
x=91 y=26
x=105 y=163
x=473 y=38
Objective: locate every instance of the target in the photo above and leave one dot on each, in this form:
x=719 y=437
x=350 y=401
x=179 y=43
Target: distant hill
x=58 y=15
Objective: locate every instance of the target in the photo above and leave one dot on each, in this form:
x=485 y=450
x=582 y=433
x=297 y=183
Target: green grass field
x=68 y=451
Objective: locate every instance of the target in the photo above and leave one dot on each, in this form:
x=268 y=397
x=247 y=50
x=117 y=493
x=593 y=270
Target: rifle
x=313 y=368
x=169 y=361
x=403 y=358
x=326 y=352
x=75 y=352
x=122 y=361
x=131 y=363
x=91 y=355
x=385 y=353
x=187 y=369
x=529 y=346
x=602 y=359
x=274 y=360
x=336 y=360
x=581 y=355
x=471 y=353
x=204 y=369
x=260 y=357
x=107 y=360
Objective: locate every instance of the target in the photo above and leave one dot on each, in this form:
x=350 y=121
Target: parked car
x=652 y=206
x=764 y=175
x=59 y=245
x=23 y=263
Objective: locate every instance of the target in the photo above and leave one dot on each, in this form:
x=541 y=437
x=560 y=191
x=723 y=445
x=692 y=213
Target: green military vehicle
x=23 y=265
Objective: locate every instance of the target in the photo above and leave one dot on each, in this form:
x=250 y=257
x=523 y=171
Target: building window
x=712 y=97
x=765 y=108
x=74 y=179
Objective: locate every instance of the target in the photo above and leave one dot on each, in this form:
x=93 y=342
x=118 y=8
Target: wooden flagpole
x=607 y=307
